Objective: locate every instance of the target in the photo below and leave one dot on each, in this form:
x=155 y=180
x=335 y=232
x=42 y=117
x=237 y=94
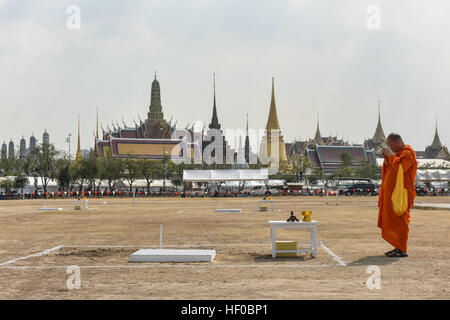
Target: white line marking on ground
x=32 y=255
x=182 y=245
x=176 y=266
x=337 y=258
x=174 y=245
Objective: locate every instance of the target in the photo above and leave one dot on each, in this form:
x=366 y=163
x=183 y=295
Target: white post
x=134 y=197
x=327 y=195
x=160 y=235
x=337 y=196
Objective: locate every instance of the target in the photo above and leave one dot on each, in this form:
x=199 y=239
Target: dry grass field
x=101 y=239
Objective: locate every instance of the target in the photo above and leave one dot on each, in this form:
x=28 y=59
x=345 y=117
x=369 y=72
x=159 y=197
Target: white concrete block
x=228 y=210
x=173 y=255
x=50 y=209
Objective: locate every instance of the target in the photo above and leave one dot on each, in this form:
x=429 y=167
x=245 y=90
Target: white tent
x=155 y=185
x=226 y=175
x=430 y=175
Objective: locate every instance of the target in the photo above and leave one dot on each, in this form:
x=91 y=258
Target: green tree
x=92 y=169
x=7 y=184
x=150 y=170
x=111 y=170
x=20 y=181
x=344 y=169
x=45 y=167
x=80 y=172
x=132 y=171
x=28 y=166
x=368 y=170
x=7 y=165
x=63 y=173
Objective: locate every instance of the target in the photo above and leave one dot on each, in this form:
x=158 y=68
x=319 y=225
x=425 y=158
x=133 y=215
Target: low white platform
x=436 y=206
x=228 y=210
x=50 y=209
x=173 y=255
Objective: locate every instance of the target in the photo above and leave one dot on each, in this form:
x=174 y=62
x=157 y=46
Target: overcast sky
x=324 y=57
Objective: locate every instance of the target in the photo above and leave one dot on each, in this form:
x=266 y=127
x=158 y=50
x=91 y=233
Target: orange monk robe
x=394 y=228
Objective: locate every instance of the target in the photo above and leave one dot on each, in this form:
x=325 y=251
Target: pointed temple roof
x=155 y=99
x=379 y=136
x=318 y=137
x=436 y=141
x=247 y=143
x=79 y=155
x=155 y=117
x=273 y=126
x=214 y=121
x=437 y=149
x=272 y=122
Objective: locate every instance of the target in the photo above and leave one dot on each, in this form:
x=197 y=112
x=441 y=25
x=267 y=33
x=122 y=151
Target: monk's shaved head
x=395 y=142
x=395 y=137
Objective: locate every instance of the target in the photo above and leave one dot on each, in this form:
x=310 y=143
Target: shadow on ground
x=373 y=260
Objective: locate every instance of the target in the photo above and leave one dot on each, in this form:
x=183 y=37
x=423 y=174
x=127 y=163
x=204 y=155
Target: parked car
x=421 y=190
x=197 y=194
x=361 y=189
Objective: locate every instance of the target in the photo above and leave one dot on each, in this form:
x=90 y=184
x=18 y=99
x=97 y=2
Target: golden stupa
x=273 y=129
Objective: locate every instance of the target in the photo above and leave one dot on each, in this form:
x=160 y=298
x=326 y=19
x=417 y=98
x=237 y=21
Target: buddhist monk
x=394 y=228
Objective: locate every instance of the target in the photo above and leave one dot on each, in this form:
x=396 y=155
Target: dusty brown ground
x=101 y=239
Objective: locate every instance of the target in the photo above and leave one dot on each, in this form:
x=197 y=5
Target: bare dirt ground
x=101 y=239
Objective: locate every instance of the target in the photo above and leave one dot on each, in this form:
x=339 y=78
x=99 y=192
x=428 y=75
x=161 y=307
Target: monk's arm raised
x=405 y=158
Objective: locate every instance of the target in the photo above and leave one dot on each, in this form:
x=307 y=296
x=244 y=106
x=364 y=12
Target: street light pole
x=300 y=173
x=165 y=170
x=68 y=141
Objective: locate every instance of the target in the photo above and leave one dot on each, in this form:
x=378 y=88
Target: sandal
x=390 y=252
x=397 y=254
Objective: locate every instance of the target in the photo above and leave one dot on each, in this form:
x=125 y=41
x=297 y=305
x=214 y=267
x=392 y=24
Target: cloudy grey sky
x=324 y=58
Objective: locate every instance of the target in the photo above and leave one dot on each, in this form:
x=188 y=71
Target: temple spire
x=273 y=128
x=96 y=131
x=272 y=122
x=247 y=144
x=78 y=156
x=436 y=141
x=318 y=137
x=246 y=127
x=215 y=120
x=379 y=136
x=155 y=116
